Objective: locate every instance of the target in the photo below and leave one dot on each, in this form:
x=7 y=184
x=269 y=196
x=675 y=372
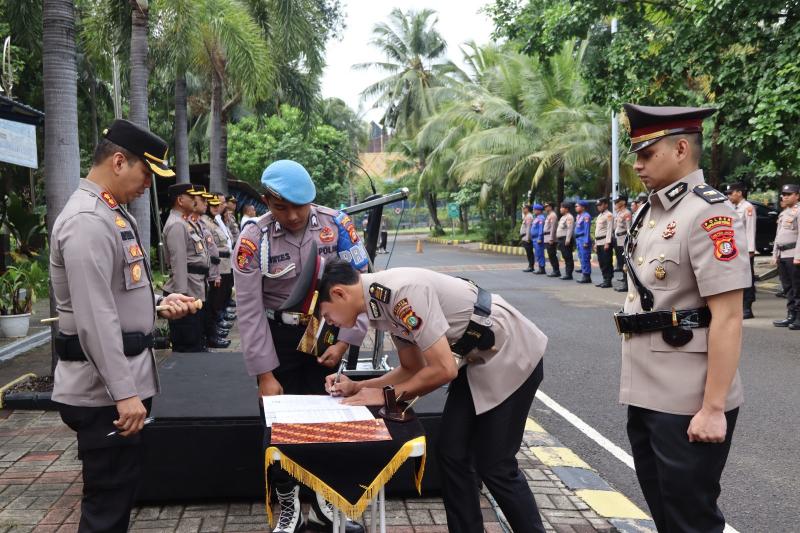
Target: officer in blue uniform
x=583 y=240
x=537 y=237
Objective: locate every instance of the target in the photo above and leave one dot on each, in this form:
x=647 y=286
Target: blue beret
x=289 y=181
x=538 y=206
x=583 y=203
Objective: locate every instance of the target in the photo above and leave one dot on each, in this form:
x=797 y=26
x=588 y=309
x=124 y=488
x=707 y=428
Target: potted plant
x=18 y=286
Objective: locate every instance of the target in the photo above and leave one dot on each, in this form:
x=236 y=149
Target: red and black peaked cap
x=649 y=124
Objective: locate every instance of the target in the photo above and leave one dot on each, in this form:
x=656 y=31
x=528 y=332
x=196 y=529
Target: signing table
x=347 y=462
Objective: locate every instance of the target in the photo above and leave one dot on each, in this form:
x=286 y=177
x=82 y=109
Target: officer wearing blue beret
x=583 y=240
x=269 y=254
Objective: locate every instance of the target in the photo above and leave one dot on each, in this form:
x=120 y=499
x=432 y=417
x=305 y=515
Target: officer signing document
x=493 y=380
x=102 y=285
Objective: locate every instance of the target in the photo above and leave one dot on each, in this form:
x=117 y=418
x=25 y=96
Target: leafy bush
x=19 y=286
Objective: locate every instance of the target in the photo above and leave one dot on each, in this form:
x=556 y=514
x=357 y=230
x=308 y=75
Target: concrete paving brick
x=399 y=529
x=211 y=524
x=420 y=517
x=171 y=511
x=543 y=501
x=55 y=516
x=68 y=528
x=239 y=509
x=439 y=517
x=14 y=517
x=189 y=525
x=397 y=518
x=430 y=529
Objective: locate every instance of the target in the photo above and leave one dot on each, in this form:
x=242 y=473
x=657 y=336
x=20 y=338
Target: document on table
x=310 y=409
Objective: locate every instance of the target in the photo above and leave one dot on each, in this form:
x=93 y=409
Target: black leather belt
x=224 y=255
x=196 y=269
x=598 y=237
x=547 y=233
x=477 y=335
x=68 y=347
x=214 y=260
x=622 y=234
x=674 y=324
x=784 y=247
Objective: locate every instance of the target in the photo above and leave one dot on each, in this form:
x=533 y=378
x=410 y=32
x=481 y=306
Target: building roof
x=15 y=111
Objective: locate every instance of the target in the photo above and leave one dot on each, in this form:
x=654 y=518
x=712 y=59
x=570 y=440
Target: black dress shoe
x=795 y=326
x=222 y=333
x=229 y=317
x=604 y=285
x=566 y=277
x=785 y=322
x=585 y=279
x=529 y=269
x=624 y=288
x=540 y=272
x=747 y=313
x=215 y=342
x=780 y=294
x=555 y=274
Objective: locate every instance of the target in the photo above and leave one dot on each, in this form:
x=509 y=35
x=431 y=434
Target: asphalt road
x=762 y=479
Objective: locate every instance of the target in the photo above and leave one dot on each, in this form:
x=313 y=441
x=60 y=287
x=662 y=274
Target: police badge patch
x=724 y=245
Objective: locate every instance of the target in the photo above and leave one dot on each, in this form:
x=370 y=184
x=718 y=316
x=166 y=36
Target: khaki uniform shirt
x=102 y=287
x=787 y=233
x=550 y=223
x=700 y=247
x=265 y=273
x=525 y=227
x=184 y=246
x=224 y=246
x=233 y=226
x=204 y=225
x=603 y=228
x=566 y=225
x=422 y=306
x=747 y=213
x=622 y=223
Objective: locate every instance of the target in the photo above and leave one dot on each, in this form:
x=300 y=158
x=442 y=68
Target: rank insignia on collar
x=677 y=190
x=380 y=293
x=108 y=198
x=374 y=308
x=136 y=272
x=120 y=222
x=327 y=234
x=669 y=232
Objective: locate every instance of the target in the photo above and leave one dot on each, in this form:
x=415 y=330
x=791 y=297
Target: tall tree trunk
x=463 y=216
x=560 y=185
x=716 y=153
x=93 y=102
x=430 y=201
x=140 y=208
x=62 y=167
x=216 y=170
x=181 y=130
x=223 y=153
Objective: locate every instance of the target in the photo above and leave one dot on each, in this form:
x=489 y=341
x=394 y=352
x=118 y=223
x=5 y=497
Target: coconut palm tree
x=61 y=151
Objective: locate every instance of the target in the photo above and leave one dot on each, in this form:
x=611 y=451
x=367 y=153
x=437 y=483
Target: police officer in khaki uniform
x=550 y=241
x=186 y=256
x=268 y=257
x=785 y=253
x=566 y=227
x=493 y=378
x=603 y=237
x=622 y=222
x=737 y=194
x=225 y=241
x=525 y=236
x=102 y=285
x=682 y=323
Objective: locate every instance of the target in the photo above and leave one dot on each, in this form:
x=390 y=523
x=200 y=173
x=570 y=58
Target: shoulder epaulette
x=709 y=194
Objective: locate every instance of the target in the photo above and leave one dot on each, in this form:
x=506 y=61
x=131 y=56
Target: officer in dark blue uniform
x=537 y=237
x=583 y=240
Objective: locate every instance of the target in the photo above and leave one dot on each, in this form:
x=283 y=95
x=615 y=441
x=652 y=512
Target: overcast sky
x=459 y=21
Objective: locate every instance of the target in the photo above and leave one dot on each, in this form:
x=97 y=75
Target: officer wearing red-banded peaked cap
x=649 y=124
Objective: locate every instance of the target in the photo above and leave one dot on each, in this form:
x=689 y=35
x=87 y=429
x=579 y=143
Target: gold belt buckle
x=674 y=318
x=616 y=323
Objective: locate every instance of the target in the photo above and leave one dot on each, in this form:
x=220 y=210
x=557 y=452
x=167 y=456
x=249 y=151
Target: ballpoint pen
x=147 y=420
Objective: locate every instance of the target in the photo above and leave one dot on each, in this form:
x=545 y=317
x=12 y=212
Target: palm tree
x=414 y=50
x=61 y=151
x=234 y=54
x=139 y=76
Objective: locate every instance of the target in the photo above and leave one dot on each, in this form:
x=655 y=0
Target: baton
x=198 y=304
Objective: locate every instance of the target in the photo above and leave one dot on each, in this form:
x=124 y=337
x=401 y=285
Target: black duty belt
x=784 y=247
x=478 y=334
x=622 y=234
x=196 y=269
x=68 y=347
x=547 y=233
x=224 y=255
x=598 y=237
x=214 y=260
x=675 y=325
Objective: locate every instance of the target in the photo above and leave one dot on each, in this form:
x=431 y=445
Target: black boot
x=585 y=278
x=289 y=519
x=567 y=276
x=320 y=517
x=529 y=269
x=794 y=326
x=540 y=272
x=791 y=316
x=216 y=342
x=605 y=284
x=230 y=317
x=747 y=313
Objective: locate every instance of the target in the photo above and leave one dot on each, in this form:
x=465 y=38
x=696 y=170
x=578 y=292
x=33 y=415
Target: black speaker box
x=207 y=439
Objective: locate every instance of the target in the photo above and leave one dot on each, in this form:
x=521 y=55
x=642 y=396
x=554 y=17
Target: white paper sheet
x=309 y=409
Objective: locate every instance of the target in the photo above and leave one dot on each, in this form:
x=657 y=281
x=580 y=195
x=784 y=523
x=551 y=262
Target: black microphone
x=328 y=147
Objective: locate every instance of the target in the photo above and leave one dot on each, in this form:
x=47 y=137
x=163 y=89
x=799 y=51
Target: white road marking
x=596 y=436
